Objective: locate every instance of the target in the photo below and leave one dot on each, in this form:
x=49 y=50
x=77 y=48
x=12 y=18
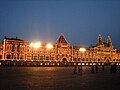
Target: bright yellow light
x=49 y=46
x=82 y=49
x=37 y=45
x=31 y=44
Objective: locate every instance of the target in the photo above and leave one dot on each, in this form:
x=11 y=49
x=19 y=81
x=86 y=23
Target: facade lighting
x=31 y=44
x=82 y=49
x=35 y=45
x=49 y=46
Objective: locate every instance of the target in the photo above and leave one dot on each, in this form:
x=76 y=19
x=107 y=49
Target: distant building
x=17 y=49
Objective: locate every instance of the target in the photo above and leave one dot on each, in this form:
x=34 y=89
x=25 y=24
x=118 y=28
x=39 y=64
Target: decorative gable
x=61 y=40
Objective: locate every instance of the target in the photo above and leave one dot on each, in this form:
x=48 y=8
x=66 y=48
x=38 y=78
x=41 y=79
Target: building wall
x=16 y=49
x=1 y=51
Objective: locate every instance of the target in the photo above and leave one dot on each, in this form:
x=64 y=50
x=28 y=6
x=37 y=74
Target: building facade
x=17 y=49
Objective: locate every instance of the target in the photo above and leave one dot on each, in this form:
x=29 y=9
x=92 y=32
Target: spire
x=5 y=37
x=61 y=39
x=100 y=40
x=109 y=41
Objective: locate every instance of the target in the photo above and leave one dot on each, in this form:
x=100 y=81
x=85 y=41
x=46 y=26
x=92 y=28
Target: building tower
x=100 y=42
x=109 y=41
x=63 y=49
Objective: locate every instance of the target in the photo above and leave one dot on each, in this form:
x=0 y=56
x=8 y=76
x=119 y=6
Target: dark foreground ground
x=58 y=78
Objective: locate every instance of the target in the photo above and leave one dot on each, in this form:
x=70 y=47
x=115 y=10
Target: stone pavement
x=58 y=78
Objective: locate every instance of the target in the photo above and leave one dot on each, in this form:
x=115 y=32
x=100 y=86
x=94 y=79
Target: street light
x=50 y=46
x=35 y=45
x=82 y=49
x=31 y=44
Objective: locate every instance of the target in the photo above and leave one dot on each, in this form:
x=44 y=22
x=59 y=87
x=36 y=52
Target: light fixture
x=49 y=46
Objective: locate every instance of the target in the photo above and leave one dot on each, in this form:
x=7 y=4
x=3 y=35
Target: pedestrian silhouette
x=96 y=67
x=103 y=68
x=113 y=68
x=92 y=69
x=74 y=70
x=79 y=69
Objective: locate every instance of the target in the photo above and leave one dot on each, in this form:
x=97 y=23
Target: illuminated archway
x=107 y=60
x=64 y=60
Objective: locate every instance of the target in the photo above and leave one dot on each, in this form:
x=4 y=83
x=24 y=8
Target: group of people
x=79 y=68
x=94 y=68
x=113 y=68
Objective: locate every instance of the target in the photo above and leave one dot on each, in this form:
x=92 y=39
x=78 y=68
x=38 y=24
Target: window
x=0 y=56
x=13 y=47
x=113 y=59
x=47 y=58
x=41 y=57
x=52 y=58
x=29 y=58
x=14 y=56
x=8 y=56
x=78 y=59
x=35 y=58
x=18 y=47
x=7 y=47
x=21 y=56
x=83 y=59
x=74 y=59
x=98 y=59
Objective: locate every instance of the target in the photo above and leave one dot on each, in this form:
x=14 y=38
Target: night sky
x=44 y=20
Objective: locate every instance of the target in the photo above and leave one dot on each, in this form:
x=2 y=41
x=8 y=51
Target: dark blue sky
x=79 y=20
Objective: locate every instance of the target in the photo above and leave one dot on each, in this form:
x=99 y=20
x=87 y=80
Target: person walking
x=74 y=70
x=79 y=69
x=115 y=67
x=103 y=68
x=92 y=69
x=111 y=68
x=96 y=67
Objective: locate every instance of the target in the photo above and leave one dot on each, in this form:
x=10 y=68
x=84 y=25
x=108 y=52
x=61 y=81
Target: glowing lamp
x=37 y=45
x=49 y=46
x=82 y=49
x=31 y=44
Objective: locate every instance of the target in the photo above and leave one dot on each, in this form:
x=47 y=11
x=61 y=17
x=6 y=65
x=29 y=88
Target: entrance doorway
x=64 y=61
x=107 y=60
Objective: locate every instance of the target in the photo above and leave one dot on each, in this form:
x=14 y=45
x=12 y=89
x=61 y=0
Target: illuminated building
x=17 y=49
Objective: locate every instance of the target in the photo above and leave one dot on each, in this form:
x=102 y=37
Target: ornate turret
x=109 y=41
x=100 y=42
